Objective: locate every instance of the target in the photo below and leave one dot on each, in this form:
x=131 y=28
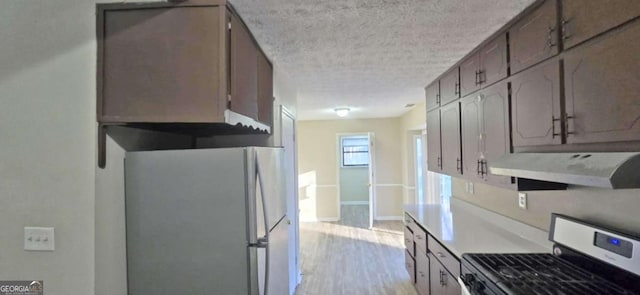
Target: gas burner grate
x=541 y=274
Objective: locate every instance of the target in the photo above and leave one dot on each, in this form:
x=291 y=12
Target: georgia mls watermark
x=21 y=288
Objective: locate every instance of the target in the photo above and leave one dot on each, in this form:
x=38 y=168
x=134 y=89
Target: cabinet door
x=422 y=273
x=450 y=86
x=442 y=282
x=408 y=241
x=535 y=98
x=162 y=65
x=410 y=266
x=451 y=149
x=585 y=19
x=471 y=125
x=244 y=70
x=603 y=88
x=469 y=75
x=434 y=156
x=432 y=93
x=535 y=37
x=493 y=61
x=265 y=90
x=495 y=139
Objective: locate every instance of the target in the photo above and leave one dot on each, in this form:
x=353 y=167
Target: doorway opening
x=356 y=182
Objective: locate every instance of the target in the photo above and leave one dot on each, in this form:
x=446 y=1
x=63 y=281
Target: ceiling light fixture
x=342 y=112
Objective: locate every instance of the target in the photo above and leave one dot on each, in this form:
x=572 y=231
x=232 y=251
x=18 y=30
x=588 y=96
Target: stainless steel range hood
x=607 y=170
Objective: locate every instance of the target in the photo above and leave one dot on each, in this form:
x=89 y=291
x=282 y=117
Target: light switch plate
x=39 y=239
x=470 y=187
x=522 y=200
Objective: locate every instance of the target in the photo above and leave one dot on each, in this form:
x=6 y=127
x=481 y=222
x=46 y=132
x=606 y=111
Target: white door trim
x=372 y=202
x=295 y=274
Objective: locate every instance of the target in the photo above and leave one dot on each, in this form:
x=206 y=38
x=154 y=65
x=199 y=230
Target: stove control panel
x=616 y=245
x=606 y=245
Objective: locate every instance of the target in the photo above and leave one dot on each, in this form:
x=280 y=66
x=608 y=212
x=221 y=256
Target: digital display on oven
x=614 y=244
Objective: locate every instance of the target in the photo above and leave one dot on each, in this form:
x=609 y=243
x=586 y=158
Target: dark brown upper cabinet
x=265 y=90
x=450 y=86
x=485 y=67
x=451 y=162
x=494 y=137
x=493 y=61
x=434 y=148
x=432 y=94
x=485 y=132
x=603 y=87
x=159 y=65
x=244 y=70
x=469 y=72
x=535 y=98
x=534 y=38
x=174 y=63
x=470 y=108
x=582 y=20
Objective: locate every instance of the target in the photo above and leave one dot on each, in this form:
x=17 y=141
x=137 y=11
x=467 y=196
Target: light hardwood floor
x=346 y=257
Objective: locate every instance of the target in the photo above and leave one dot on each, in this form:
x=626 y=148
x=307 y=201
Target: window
x=419 y=161
x=445 y=189
x=355 y=151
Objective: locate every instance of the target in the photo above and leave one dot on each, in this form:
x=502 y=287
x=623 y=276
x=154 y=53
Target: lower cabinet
x=422 y=273
x=442 y=282
x=410 y=265
x=429 y=275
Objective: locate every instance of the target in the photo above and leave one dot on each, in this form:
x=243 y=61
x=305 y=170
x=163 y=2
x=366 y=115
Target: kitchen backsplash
x=617 y=209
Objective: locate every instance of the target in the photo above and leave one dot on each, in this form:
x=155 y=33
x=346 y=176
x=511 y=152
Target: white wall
x=318 y=166
x=47 y=140
x=354 y=184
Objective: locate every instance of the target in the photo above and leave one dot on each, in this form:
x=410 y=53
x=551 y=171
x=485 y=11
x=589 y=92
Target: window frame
x=343 y=153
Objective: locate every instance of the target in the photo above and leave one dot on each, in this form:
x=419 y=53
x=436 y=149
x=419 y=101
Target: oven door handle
x=463 y=287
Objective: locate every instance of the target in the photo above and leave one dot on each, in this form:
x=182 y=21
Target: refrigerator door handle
x=264 y=241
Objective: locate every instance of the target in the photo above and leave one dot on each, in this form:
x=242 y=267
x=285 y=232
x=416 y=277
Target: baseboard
x=385 y=218
x=321 y=219
x=354 y=203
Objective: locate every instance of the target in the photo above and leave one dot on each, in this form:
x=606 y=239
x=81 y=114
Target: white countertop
x=466 y=228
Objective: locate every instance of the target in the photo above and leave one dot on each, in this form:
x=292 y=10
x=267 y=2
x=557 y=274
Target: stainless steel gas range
x=586 y=259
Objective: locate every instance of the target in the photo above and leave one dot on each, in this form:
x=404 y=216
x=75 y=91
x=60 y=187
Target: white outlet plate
x=522 y=200
x=470 y=187
x=39 y=239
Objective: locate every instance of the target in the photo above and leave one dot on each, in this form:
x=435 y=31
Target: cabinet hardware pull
x=421 y=273
x=484 y=168
x=566 y=124
x=459 y=164
x=550 y=37
x=553 y=127
x=438 y=98
x=457 y=92
x=480 y=74
x=443 y=278
x=419 y=237
x=565 y=31
x=477 y=80
x=440 y=254
x=478 y=168
x=440 y=162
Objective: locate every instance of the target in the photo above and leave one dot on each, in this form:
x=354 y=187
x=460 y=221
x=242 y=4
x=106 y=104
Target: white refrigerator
x=206 y=221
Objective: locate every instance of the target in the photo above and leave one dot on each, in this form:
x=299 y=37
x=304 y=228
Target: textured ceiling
x=373 y=56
